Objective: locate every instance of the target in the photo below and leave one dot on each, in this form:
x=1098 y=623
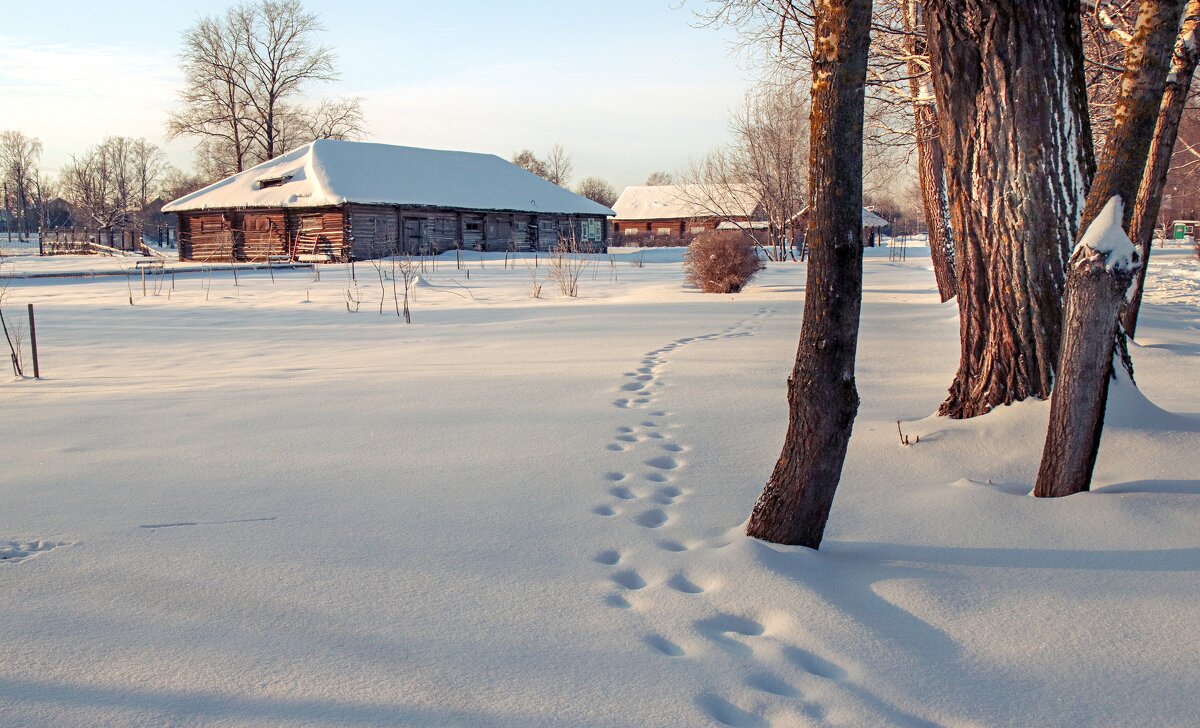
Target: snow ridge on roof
x=328 y=173
x=666 y=202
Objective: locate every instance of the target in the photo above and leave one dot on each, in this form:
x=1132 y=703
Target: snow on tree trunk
x=1154 y=181
x=1008 y=77
x=1105 y=261
x=822 y=396
x=929 y=155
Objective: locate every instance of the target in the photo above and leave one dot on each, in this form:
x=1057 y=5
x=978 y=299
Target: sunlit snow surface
x=248 y=506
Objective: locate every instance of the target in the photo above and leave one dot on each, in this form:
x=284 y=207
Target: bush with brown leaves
x=721 y=261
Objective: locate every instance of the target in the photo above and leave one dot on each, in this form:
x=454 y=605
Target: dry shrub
x=721 y=261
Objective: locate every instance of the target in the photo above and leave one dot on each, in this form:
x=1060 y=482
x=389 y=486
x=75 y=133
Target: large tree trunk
x=1154 y=181
x=1008 y=77
x=930 y=166
x=822 y=396
x=1103 y=266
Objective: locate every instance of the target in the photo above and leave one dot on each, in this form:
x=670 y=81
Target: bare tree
x=1104 y=262
x=147 y=166
x=213 y=103
x=336 y=119
x=527 y=160
x=556 y=167
x=597 y=190
x=243 y=71
x=177 y=183
x=659 y=179
x=281 y=58
x=559 y=166
x=112 y=183
x=1107 y=33
x=43 y=189
x=1166 y=133
x=19 y=155
x=768 y=157
x=930 y=161
x=822 y=397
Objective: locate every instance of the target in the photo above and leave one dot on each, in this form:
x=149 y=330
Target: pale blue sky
x=627 y=86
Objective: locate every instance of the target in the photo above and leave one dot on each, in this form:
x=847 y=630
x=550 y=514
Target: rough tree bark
x=1008 y=77
x=1154 y=181
x=822 y=396
x=1097 y=279
x=930 y=164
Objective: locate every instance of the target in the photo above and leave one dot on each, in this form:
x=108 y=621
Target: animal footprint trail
x=646 y=495
x=650 y=440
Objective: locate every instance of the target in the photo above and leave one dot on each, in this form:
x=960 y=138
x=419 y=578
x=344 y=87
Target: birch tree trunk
x=1008 y=77
x=822 y=396
x=1098 y=278
x=930 y=166
x=1154 y=181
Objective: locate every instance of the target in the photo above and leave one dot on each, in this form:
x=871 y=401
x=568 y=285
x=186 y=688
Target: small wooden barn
x=338 y=200
x=674 y=214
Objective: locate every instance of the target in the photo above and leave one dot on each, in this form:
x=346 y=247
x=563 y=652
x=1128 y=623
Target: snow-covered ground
x=248 y=506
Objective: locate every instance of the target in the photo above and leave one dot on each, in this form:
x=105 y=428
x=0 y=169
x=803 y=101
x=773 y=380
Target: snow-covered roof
x=869 y=219
x=739 y=225
x=327 y=173
x=669 y=202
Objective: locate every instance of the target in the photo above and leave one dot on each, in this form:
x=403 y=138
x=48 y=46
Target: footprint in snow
x=654 y=518
x=663 y=645
x=663 y=462
x=629 y=580
x=622 y=492
x=666 y=496
x=813 y=663
x=773 y=684
x=608 y=557
x=726 y=713
x=684 y=585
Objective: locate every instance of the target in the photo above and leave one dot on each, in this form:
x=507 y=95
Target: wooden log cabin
x=336 y=201
x=674 y=214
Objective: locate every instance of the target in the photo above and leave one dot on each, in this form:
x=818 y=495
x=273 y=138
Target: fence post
x=37 y=374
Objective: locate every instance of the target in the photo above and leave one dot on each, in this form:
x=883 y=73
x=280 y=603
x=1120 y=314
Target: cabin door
x=413 y=235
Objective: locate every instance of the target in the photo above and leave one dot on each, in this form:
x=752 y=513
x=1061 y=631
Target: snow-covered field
x=248 y=506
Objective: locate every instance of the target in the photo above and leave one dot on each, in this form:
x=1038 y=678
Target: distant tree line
x=120 y=183
x=557 y=167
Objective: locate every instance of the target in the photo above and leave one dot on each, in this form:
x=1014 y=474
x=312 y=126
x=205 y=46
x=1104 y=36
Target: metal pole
x=33 y=344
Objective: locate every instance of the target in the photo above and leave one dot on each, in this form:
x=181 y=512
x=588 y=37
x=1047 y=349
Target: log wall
x=263 y=234
x=207 y=236
x=371 y=231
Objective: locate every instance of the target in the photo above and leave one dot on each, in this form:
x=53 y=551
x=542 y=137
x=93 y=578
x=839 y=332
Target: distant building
x=674 y=214
x=873 y=226
x=337 y=200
